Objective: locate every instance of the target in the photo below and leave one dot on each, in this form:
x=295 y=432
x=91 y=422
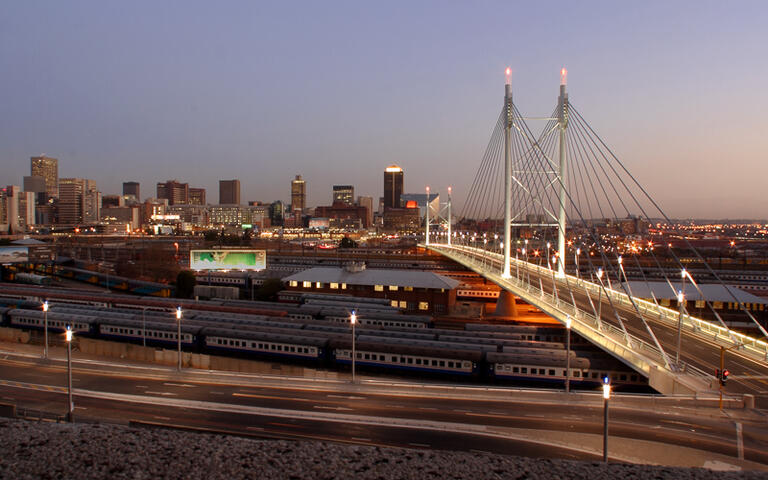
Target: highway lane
x=747 y=375
x=702 y=432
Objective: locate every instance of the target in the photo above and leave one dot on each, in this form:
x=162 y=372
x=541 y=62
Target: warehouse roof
x=712 y=292
x=401 y=278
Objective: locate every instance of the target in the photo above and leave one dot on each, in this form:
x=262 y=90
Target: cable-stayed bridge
x=557 y=220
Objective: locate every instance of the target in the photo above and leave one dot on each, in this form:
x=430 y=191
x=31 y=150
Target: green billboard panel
x=228 y=259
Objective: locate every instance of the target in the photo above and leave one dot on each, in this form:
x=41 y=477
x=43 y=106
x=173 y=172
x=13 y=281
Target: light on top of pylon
x=508 y=73
x=563 y=76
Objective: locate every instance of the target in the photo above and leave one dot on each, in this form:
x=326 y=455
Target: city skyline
x=260 y=93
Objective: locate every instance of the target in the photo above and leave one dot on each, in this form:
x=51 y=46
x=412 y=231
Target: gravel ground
x=91 y=451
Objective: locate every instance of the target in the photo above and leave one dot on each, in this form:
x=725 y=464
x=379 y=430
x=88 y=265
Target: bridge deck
x=597 y=313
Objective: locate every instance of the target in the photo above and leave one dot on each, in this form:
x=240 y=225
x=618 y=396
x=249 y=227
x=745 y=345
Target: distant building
x=112 y=201
x=403 y=220
x=79 y=201
x=276 y=213
x=343 y=194
x=37 y=186
x=229 y=192
x=48 y=168
x=367 y=203
x=10 y=210
x=197 y=196
x=420 y=200
x=132 y=188
x=341 y=215
x=393 y=186
x=413 y=291
x=298 y=194
x=173 y=191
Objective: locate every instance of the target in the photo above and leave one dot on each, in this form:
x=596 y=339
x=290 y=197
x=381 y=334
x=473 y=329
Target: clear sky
x=336 y=91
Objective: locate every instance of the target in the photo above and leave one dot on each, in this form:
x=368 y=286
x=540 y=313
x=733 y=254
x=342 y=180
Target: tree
x=268 y=290
x=347 y=242
x=185 y=284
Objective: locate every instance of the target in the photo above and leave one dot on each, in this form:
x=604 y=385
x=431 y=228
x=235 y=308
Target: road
x=747 y=375
x=537 y=424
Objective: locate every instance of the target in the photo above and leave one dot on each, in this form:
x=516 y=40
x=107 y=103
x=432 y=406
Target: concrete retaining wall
x=14 y=335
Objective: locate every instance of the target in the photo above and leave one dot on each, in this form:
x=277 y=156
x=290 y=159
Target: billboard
x=14 y=254
x=227 y=259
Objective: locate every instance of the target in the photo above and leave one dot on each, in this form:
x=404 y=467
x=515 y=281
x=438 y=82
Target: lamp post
x=178 y=335
x=352 y=321
x=681 y=308
x=568 y=355
x=70 y=402
x=600 y=294
x=45 y=326
x=578 y=253
x=606 y=397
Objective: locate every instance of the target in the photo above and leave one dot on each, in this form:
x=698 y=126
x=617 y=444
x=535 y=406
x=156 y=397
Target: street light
x=606 y=397
x=70 y=402
x=578 y=252
x=568 y=356
x=352 y=321
x=45 y=322
x=600 y=294
x=178 y=334
x=680 y=306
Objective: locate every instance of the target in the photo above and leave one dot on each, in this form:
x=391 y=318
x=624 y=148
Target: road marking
x=360 y=439
x=162 y=418
x=472 y=450
x=165 y=394
x=321 y=407
x=80 y=408
x=217 y=393
x=272 y=397
x=348 y=397
x=427 y=408
x=289 y=425
x=739 y=441
x=260 y=429
x=142 y=386
x=179 y=385
x=421 y=445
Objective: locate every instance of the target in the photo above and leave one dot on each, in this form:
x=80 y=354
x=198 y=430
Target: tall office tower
x=27 y=209
x=48 y=168
x=91 y=203
x=298 y=194
x=393 y=186
x=197 y=196
x=10 y=211
x=70 y=206
x=132 y=188
x=36 y=185
x=344 y=194
x=229 y=192
x=367 y=202
x=276 y=212
x=176 y=193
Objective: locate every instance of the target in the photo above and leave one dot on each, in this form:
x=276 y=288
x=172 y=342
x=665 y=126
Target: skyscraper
x=229 y=192
x=176 y=193
x=344 y=194
x=132 y=188
x=393 y=186
x=197 y=196
x=298 y=194
x=367 y=203
x=48 y=168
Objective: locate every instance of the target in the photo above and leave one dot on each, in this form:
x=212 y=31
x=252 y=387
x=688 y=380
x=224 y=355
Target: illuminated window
x=403 y=304
x=423 y=305
x=318 y=284
x=393 y=303
x=378 y=288
x=343 y=286
x=334 y=285
x=393 y=288
x=306 y=284
x=408 y=289
x=294 y=283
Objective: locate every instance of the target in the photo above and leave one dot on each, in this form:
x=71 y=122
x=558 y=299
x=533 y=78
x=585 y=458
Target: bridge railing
x=756 y=349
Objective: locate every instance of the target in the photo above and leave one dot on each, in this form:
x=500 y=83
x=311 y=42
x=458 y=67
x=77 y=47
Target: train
x=495 y=354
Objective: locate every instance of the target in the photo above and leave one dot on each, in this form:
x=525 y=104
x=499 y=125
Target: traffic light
x=724 y=376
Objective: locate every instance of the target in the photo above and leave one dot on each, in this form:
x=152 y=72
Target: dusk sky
x=336 y=91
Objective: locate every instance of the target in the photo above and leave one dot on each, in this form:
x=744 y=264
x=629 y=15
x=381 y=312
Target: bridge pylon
x=508 y=118
x=562 y=121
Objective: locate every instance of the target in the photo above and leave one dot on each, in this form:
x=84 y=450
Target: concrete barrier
x=14 y=335
x=7 y=410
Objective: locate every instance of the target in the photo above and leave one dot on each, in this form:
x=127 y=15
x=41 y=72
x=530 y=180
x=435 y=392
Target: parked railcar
x=57 y=322
x=265 y=344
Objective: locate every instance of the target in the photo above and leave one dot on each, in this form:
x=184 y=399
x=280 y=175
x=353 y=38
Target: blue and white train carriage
x=265 y=344
x=57 y=322
x=407 y=357
x=156 y=333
